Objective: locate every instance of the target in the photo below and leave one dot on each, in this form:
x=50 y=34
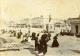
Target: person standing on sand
x=55 y=42
x=43 y=44
x=19 y=34
x=36 y=42
x=33 y=35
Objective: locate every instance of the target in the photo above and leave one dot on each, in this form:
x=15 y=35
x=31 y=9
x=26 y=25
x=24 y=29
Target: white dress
x=29 y=39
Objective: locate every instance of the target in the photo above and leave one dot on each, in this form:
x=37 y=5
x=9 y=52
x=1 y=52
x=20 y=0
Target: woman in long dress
x=33 y=35
x=43 y=44
x=36 y=42
x=29 y=38
x=55 y=42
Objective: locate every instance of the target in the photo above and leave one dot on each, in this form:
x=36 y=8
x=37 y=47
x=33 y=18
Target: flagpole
x=29 y=30
x=29 y=25
x=48 y=23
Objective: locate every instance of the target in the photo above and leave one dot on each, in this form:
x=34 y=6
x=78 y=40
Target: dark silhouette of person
x=14 y=33
x=43 y=44
x=24 y=38
x=33 y=35
x=49 y=35
x=55 y=42
x=19 y=34
x=36 y=43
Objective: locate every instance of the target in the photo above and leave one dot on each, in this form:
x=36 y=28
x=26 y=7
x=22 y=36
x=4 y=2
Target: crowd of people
x=41 y=40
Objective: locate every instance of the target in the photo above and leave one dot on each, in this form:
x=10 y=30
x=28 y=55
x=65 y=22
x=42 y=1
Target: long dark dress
x=42 y=47
x=14 y=33
x=49 y=35
x=33 y=35
x=36 y=44
x=19 y=35
x=43 y=44
x=55 y=43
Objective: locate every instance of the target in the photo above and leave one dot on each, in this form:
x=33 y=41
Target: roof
x=73 y=19
x=76 y=21
x=77 y=18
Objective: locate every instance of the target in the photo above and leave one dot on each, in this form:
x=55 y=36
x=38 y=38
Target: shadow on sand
x=9 y=50
x=32 y=51
x=76 y=51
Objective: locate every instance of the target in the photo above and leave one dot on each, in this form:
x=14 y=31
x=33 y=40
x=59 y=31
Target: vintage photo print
x=39 y=27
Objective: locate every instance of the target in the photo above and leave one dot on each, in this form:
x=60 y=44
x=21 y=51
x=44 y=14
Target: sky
x=14 y=10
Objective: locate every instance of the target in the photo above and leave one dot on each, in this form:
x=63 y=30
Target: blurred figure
x=33 y=35
x=36 y=43
x=29 y=37
x=55 y=42
x=25 y=39
x=49 y=35
x=14 y=33
x=19 y=34
x=43 y=44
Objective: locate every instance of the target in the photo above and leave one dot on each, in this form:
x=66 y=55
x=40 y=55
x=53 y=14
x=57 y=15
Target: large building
x=11 y=24
x=75 y=25
x=23 y=23
x=37 y=22
x=58 y=25
x=40 y=22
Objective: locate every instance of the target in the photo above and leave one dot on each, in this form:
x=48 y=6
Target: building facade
x=75 y=25
x=11 y=24
x=37 y=22
x=22 y=23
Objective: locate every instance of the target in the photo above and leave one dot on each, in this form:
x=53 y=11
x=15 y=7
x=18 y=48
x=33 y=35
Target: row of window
x=59 y=25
